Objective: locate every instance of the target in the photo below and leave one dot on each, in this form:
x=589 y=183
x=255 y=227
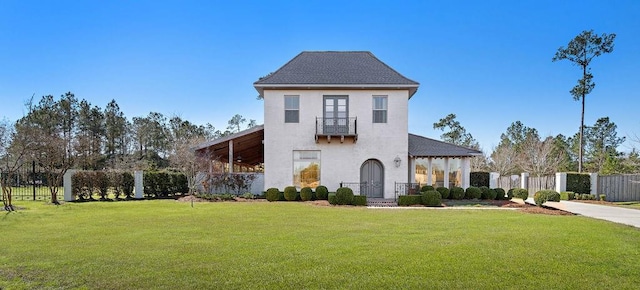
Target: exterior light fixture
x=397 y=161
x=239 y=160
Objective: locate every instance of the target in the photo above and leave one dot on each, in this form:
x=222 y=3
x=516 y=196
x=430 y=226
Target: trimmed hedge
x=456 y=192
x=520 y=193
x=444 y=192
x=322 y=193
x=306 y=194
x=478 y=179
x=579 y=183
x=567 y=195
x=543 y=196
x=500 y=194
x=426 y=188
x=331 y=197
x=431 y=198
x=510 y=193
x=344 y=196
x=472 y=192
x=290 y=193
x=164 y=184
x=407 y=200
x=360 y=200
x=487 y=193
x=273 y=194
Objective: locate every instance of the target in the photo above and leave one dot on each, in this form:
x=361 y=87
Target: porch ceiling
x=247 y=145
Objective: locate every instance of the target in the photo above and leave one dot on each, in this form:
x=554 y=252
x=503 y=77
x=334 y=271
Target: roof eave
x=413 y=88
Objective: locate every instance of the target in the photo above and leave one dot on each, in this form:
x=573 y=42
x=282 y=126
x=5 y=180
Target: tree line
x=522 y=149
x=66 y=132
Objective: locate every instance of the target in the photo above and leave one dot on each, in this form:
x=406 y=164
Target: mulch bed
x=526 y=208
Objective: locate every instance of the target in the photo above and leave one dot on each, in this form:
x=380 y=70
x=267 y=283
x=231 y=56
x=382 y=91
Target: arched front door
x=372 y=179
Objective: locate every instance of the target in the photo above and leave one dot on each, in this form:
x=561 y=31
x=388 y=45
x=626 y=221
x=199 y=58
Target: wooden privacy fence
x=541 y=183
x=620 y=187
x=509 y=182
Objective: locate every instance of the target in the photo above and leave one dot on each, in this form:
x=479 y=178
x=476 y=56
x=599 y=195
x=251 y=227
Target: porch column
x=230 y=156
x=446 y=172
x=429 y=172
x=466 y=170
x=412 y=170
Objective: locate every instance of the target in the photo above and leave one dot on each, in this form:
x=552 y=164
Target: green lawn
x=164 y=244
x=629 y=204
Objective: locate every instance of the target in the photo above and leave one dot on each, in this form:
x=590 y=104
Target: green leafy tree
x=581 y=51
x=601 y=143
x=455 y=133
x=115 y=131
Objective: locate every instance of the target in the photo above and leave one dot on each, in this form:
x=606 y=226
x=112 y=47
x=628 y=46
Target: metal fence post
x=33 y=180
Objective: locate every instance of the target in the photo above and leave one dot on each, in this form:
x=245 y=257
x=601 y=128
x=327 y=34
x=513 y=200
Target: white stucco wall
x=339 y=161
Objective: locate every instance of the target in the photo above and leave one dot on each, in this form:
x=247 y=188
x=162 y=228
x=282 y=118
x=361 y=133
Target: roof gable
x=426 y=147
x=343 y=69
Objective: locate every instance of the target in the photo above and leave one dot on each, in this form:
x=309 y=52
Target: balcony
x=337 y=127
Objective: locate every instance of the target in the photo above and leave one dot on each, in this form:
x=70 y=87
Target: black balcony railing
x=336 y=126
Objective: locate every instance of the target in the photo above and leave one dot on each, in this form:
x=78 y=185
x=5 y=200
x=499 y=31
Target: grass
x=628 y=204
x=162 y=244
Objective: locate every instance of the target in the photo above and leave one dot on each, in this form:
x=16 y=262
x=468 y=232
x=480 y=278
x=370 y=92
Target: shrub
x=360 y=200
x=344 y=196
x=586 y=196
x=567 y=195
x=510 y=194
x=248 y=195
x=431 y=198
x=500 y=194
x=520 y=193
x=273 y=194
x=128 y=183
x=322 y=192
x=290 y=193
x=603 y=197
x=331 y=197
x=426 y=188
x=101 y=181
x=472 y=192
x=444 y=192
x=456 y=192
x=484 y=192
x=407 y=200
x=306 y=194
x=579 y=182
x=478 y=179
x=577 y=196
x=543 y=196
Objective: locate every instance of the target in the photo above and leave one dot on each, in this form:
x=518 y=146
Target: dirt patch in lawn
x=543 y=210
x=193 y=198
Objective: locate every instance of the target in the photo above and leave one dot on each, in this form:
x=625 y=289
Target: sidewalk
x=610 y=213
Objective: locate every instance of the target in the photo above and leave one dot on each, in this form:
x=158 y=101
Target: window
x=306 y=168
x=291 y=109
x=455 y=172
x=437 y=171
x=379 y=109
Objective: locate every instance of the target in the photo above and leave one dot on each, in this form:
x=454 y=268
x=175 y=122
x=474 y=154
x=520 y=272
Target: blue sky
x=489 y=62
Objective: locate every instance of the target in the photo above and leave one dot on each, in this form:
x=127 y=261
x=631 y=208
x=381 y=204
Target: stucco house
x=340 y=118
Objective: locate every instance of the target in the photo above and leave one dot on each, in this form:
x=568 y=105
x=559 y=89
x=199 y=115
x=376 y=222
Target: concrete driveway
x=610 y=213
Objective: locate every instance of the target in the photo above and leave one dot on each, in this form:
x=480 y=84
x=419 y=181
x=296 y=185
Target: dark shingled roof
x=336 y=68
x=426 y=147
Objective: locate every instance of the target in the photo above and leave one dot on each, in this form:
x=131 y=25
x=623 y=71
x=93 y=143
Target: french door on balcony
x=336 y=115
